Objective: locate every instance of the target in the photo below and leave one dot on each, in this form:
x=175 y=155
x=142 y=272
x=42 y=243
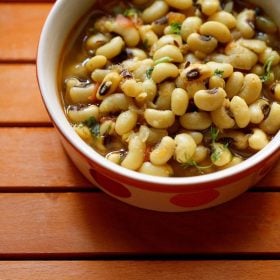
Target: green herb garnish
x=219 y=73
x=149 y=72
x=193 y=163
x=132 y=13
x=175 y=27
x=93 y=126
x=163 y=59
x=267 y=69
x=214 y=132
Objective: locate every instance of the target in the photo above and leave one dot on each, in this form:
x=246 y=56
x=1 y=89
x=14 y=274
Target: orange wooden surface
x=55 y=225
x=139 y=270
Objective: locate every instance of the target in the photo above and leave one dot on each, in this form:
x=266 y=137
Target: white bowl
x=149 y=192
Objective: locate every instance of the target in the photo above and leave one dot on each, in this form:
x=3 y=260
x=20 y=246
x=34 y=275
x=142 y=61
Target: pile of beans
x=174 y=87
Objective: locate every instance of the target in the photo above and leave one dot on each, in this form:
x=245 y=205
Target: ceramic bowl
x=149 y=192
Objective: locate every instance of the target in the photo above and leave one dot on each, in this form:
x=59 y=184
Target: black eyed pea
x=98 y=61
x=159 y=25
x=125 y=122
x=179 y=4
x=112 y=48
x=185 y=147
x=136 y=153
x=131 y=87
x=272 y=123
x=109 y=84
x=95 y=41
x=200 y=55
x=197 y=136
x=115 y=157
x=224 y=17
x=271 y=55
x=196 y=72
x=140 y=68
x=255 y=45
x=81 y=94
x=78 y=114
x=251 y=89
x=155 y=11
x=163 y=101
x=114 y=103
x=163 y=71
x=170 y=39
x=201 y=153
x=209 y=100
x=245 y=23
x=234 y=161
x=221 y=69
x=148 y=36
x=275 y=90
x=159 y=118
x=84 y=132
x=240 y=111
x=258 y=70
x=136 y=53
x=169 y=51
x=150 y=87
x=190 y=25
x=202 y=43
x=258 y=111
x=220 y=154
x=107 y=127
x=193 y=87
x=129 y=33
x=258 y=140
x=216 y=82
x=148 y=168
x=195 y=120
x=151 y=135
x=240 y=139
x=99 y=74
x=179 y=101
x=234 y=84
x=209 y=7
x=163 y=152
x=221 y=117
x=240 y=57
x=217 y=30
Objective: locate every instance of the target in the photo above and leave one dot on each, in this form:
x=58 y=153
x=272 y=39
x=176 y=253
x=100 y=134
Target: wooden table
x=55 y=225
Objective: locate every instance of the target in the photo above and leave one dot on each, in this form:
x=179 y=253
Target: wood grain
x=34 y=157
x=20 y=28
x=20 y=99
x=75 y=225
x=138 y=270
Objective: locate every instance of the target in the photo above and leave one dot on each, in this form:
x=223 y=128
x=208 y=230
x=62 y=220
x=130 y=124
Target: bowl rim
x=121 y=174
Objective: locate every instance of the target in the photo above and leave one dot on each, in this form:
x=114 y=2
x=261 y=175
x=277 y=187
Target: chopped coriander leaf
x=131 y=12
x=218 y=73
x=149 y=72
x=193 y=163
x=175 y=27
x=163 y=59
x=214 y=132
x=267 y=69
x=93 y=126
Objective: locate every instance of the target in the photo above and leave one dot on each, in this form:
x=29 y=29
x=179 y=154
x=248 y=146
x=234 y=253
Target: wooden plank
x=75 y=225
x=138 y=270
x=34 y=157
x=20 y=99
x=20 y=28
